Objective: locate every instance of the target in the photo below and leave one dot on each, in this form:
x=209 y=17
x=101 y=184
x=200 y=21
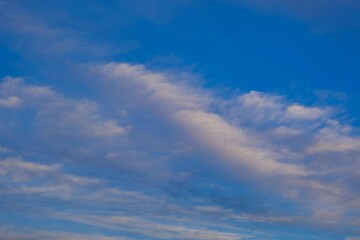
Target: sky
x=180 y=119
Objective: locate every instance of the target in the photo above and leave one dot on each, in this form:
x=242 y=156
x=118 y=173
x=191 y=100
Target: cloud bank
x=302 y=156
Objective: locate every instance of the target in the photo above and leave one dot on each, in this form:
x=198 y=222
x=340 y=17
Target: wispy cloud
x=58 y=114
x=259 y=140
x=153 y=154
x=255 y=138
x=208 y=129
x=248 y=138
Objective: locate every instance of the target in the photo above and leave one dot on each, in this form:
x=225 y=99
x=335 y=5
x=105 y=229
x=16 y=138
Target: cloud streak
x=259 y=140
x=206 y=128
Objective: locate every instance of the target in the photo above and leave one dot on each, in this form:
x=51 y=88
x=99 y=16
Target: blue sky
x=219 y=119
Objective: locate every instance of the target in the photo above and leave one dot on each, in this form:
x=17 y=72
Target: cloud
x=257 y=133
x=298 y=111
x=21 y=177
x=267 y=108
x=65 y=32
x=30 y=33
x=10 y=102
x=17 y=165
x=233 y=144
x=330 y=140
x=153 y=180
x=190 y=164
x=189 y=111
x=56 y=114
x=34 y=183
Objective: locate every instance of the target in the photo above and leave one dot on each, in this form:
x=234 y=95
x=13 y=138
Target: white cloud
x=258 y=106
x=24 y=177
x=305 y=113
x=233 y=143
x=57 y=114
x=329 y=140
x=108 y=128
x=17 y=163
x=10 y=102
x=188 y=110
x=283 y=131
x=272 y=109
x=256 y=134
x=19 y=170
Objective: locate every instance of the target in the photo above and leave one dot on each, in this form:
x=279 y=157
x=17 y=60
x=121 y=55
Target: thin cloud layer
x=259 y=133
x=93 y=146
x=208 y=129
x=55 y=113
x=259 y=140
x=263 y=141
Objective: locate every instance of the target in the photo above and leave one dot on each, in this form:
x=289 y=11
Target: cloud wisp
x=258 y=133
x=93 y=146
x=284 y=149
